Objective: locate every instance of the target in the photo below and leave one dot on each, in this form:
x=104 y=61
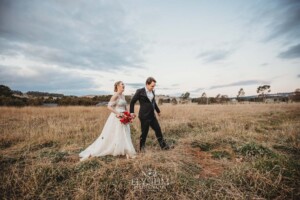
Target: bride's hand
x=119 y=115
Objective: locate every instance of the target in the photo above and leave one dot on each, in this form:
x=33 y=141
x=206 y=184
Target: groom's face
x=151 y=86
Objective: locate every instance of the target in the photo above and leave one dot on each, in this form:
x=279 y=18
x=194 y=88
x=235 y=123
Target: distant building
x=269 y=100
x=233 y=101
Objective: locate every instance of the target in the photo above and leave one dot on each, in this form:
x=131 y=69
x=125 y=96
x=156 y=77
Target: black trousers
x=153 y=123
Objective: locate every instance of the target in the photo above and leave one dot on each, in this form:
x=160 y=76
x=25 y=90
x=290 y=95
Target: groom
x=146 y=97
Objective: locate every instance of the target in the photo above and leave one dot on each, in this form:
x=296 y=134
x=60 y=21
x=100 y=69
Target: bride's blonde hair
x=116 y=85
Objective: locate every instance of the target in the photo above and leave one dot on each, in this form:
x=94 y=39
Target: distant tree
x=263 y=90
x=128 y=98
x=241 y=93
x=203 y=99
x=35 y=101
x=212 y=100
x=185 y=96
x=48 y=100
x=160 y=101
x=224 y=98
x=174 y=101
x=221 y=98
x=296 y=95
x=218 y=98
x=39 y=94
x=17 y=92
x=196 y=100
x=168 y=100
x=95 y=98
x=12 y=101
x=5 y=91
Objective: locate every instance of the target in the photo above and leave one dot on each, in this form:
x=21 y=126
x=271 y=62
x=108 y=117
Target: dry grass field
x=248 y=151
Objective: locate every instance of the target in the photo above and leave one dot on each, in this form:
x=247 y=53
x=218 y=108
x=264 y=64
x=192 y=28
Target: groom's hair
x=150 y=80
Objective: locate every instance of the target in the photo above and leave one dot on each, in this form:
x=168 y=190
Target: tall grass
x=248 y=151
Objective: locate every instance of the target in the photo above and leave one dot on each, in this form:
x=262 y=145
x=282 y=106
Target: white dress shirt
x=149 y=94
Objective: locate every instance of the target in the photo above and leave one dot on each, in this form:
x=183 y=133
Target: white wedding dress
x=115 y=138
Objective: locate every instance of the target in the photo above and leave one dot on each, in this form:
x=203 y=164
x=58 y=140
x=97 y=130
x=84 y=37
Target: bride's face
x=121 y=87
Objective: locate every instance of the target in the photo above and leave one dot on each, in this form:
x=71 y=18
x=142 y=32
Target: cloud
x=70 y=34
x=166 y=88
x=292 y=52
x=285 y=20
x=264 y=64
x=141 y=85
x=198 y=90
x=214 y=55
x=177 y=94
x=240 y=83
x=135 y=85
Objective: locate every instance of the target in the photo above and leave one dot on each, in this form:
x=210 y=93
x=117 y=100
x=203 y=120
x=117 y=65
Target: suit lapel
x=153 y=96
x=144 y=93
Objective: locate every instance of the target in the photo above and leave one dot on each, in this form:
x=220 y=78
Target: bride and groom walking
x=115 y=138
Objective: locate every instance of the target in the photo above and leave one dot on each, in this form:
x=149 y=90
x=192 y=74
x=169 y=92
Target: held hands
x=133 y=115
x=120 y=115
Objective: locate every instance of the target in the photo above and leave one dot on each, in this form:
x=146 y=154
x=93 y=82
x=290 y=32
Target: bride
x=115 y=138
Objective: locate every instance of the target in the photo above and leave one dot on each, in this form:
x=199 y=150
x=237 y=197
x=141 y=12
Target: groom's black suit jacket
x=146 y=106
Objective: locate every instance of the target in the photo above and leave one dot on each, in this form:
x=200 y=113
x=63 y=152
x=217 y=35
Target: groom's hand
x=158 y=114
x=133 y=115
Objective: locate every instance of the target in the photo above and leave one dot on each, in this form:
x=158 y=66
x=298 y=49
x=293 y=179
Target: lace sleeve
x=112 y=103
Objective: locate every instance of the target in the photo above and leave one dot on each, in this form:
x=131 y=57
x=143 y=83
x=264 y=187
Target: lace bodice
x=119 y=104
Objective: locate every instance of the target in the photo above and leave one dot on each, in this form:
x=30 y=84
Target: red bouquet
x=126 y=118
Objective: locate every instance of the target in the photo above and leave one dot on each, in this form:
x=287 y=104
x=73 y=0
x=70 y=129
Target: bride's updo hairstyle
x=116 y=85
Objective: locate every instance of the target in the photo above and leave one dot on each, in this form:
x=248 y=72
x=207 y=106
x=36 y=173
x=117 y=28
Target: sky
x=82 y=47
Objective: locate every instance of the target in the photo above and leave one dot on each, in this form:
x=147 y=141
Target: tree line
x=10 y=97
x=263 y=92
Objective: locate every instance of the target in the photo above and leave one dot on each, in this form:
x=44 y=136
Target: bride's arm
x=112 y=103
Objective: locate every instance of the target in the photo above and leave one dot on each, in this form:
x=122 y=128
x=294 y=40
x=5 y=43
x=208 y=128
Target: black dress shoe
x=166 y=147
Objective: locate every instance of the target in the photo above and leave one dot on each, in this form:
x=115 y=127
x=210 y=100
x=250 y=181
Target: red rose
x=126 y=118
